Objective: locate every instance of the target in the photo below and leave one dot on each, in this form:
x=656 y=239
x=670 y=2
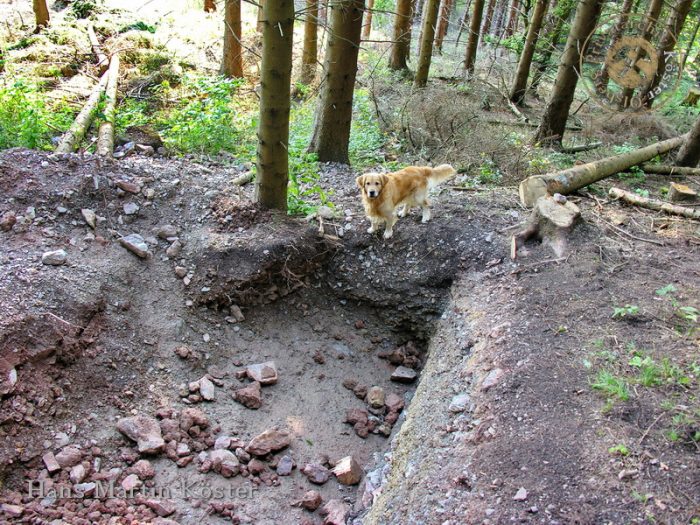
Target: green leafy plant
x=624 y=311
x=611 y=385
x=689 y=313
x=669 y=288
x=619 y=449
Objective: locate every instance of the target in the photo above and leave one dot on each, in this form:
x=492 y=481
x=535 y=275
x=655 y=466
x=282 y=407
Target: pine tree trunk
x=603 y=77
x=41 y=13
x=367 y=26
x=488 y=19
x=275 y=81
x=666 y=45
x=444 y=23
x=309 y=54
x=473 y=41
x=402 y=35
x=333 y=117
x=517 y=92
x=232 y=62
x=691 y=42
x=426 y=45
x=323 y=12
x=650 y=21
x=418 y=9
x=464 y=22
x=551 y=46
x=551 y=129
x=499 y=17
x=689 y=154
x=512 y=19
x=209 y=6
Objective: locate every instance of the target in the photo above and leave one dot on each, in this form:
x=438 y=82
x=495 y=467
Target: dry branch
x=242 y=180
x=568 y=181
x=71 y=139
x=653 y=204
x=582 y=147
x=663 y=169
x=105 y=136
x=102 y=60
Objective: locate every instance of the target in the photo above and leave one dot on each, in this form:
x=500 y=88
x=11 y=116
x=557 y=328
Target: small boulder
x=316 y=474
x=69 y=456
x=348 y=471
x=135 y=244
x=90 y=217
x=224 y=462
x=311 y=500
x=143 y=469
x=491 y=379
x=131 y=482
x=269 y=441
x=145 y=431
x=7 y=221
x=78 y=473
x=394 y=403
x=54 y=258
x=335 y=512
x=161 y=507
x=263 y=373
x=404 y=374
x=285 y=466
x=249 y=396
x=50 y=462
x=207 y=389
x=166 y=231
x=375 y=397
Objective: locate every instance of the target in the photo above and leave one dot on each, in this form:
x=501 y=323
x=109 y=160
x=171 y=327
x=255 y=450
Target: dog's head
x=372 y=184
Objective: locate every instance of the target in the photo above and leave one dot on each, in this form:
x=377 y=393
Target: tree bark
x=426 y=45
x=666 y=45
x=464 y=22
x=517 y=92
x=275 y=81
x=418 y=9
x=323 y=12
x=653 y=204
x=473 y=41
x=551 y=129
x=601 y=82
x=102 y=60
x=71 y=139
x=367 y=26
x=689 y=154
x=650 y=20
x=512 y=19
x=444 y=22
x=402 y=35
x=488 y=19
x=260 y=26
x=664 y=169
x=333 y=117
x=309 y=55
x=232 y=62
x=105 y=135
x=209 y=6
x=568 y=181
x=551 y=45
x=41 y=13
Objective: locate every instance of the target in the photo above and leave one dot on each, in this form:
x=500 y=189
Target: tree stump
x=692 y=97
x=551 y=221
x=681 y=193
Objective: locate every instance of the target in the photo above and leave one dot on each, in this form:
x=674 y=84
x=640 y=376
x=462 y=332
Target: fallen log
x=551 y=221
x=105 y=136
x=664 y=169
x=653 y=204
x=71 y=138
x=581 y=147
x=102 y=60
x=570 y=180
x=244 y=179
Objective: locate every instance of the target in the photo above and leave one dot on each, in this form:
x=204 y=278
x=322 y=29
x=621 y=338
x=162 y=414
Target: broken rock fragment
x=263 y=373
x=404 y=374
x=348 y=471
x=335 y=512
x=311 y=500
x=145 y=431
x=249 y=396
x=316 y=474
x=269 y=441
x=135 y=244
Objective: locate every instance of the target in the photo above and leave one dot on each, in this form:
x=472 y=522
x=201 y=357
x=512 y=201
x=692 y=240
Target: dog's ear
x=360 y=181
x=385 y=179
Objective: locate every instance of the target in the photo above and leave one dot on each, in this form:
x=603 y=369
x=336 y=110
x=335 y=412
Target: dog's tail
x=440 y=174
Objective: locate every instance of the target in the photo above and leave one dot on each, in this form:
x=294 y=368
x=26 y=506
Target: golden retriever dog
x=383 y=193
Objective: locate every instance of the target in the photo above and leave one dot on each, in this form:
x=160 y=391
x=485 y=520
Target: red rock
x=7 y=221
x=317 y=474
x=183 y=462
x=360 y=391
x=78 y=474
x=263 y=373
x=249 y=396
x=350 y=384
x=13 y=511
x=69 y=456
x=348 y=471
x=131 y=482
x=51 y=463
x=335 y=512
x=129 y=187
x=311 y=500
x=193 y=417
x=359 y=324
x=145 y=431
x=143 y=469
x=224 y=462
x=391 y=418
x=361 y=429
x=394 y=402
x=356 y=415
x=255 y=467
x=269 y=441
x=161 y=507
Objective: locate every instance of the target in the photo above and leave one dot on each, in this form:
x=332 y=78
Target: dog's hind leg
x=403 y=210
x=426 y=210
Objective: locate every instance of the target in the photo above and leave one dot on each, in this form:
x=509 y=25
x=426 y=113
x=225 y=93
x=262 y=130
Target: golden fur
x=383 y=193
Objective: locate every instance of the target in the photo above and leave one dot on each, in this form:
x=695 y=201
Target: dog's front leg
x=389 y=230
x=373 y=225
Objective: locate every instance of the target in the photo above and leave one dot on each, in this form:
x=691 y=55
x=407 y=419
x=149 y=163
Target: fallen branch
x=629 y=235
x=582 y=147
x=653 y=204
x=71 y=138
x=242 y=180
x=570 y=180
x=516 y=111
x=663 y=169
x=523 y=123
x=102 y=60
x=105 y=136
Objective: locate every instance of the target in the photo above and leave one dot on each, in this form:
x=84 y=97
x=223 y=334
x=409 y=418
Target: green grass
x=611 y=385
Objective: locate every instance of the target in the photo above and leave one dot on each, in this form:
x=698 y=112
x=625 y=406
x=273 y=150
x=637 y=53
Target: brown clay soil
x=95 y=340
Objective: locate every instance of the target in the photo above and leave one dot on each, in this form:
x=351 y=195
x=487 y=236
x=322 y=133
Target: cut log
x=551 y=221
x=71 y=138
x=102 y=60
x=663 y=169
x=653 y=204
x=105 y=136
x=681 y=193
x=570 y=180
x=242 y=180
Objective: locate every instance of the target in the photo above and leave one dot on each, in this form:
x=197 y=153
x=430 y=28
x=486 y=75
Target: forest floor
x=548 y=391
